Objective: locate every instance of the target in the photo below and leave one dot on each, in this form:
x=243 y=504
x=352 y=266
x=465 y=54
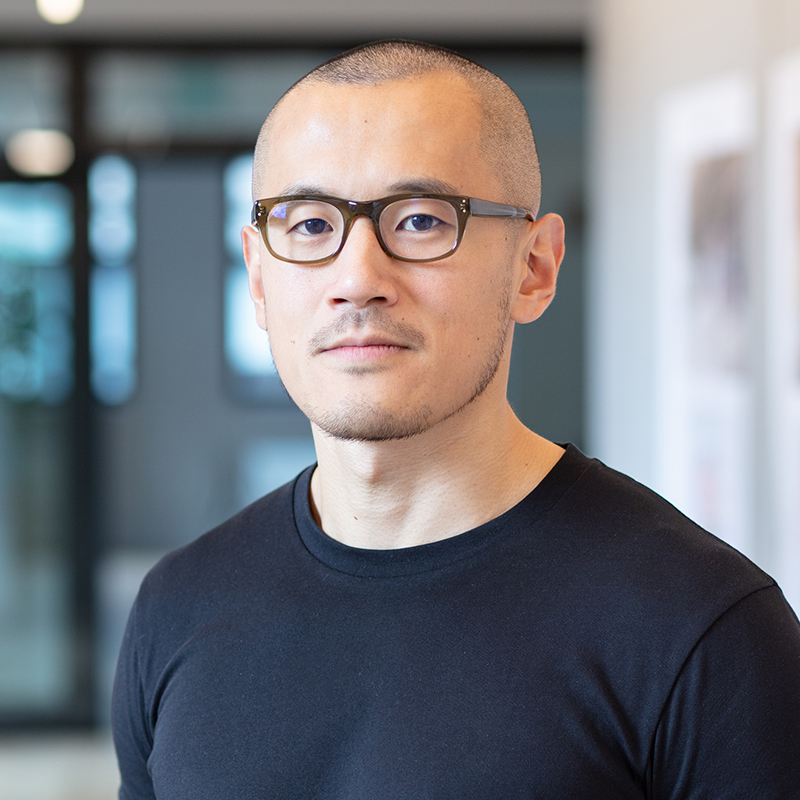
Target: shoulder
x=731 y=723
x=201 y=591
x=611 y=512
x=641 y=593
x=224 y=563
x=634 y=560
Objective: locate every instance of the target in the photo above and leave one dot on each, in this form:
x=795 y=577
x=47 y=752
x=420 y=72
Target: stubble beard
x=360 y=420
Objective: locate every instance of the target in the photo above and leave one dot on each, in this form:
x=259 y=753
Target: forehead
x=362 y=141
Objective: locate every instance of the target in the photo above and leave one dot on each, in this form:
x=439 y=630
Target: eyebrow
x=415 y=185
x=423 y=186
x=302 y=188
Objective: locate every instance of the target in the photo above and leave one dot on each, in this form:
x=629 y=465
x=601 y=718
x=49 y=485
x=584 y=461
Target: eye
x=308 y=219
x=419 y=223
x=313 y=227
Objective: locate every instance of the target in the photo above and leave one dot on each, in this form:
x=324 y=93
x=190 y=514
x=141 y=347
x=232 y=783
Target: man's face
x=370 y=347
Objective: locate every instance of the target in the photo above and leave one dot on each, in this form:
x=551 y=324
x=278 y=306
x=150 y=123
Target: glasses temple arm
x=485 y=208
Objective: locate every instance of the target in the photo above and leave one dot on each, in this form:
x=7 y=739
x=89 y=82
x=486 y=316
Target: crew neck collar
x=367 y=563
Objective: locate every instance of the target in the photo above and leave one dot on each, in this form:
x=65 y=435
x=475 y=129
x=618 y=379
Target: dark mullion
x=83 y=542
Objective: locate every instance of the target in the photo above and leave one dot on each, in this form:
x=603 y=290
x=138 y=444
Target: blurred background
x=138 y=402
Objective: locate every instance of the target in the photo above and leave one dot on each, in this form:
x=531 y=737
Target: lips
x=365 y=330
x=363 y=349
x=364 y=342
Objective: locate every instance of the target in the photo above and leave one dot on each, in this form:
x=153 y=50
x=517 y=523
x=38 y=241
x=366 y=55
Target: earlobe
x=541 y=253
x=251 y=248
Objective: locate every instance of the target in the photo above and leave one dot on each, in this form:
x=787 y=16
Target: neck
x=455 y=476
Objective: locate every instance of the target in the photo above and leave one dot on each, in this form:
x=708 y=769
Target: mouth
x=368 y=340
x=365 y=334
x=364 y=347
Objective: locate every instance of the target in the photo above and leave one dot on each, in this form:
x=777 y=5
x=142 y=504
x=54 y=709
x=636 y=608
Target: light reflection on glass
x=246 y=345
x=112 y=239
x=35 y=223
x=113 y=341
x=112 y=192
x=238 y=202
x=36 y=344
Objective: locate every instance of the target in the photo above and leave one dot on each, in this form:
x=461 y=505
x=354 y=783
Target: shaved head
x=506 y=140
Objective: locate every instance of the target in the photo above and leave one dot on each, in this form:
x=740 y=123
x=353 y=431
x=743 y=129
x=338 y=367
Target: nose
x=364 y=273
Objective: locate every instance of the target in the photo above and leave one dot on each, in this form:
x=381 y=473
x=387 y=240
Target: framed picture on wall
x=704 y=359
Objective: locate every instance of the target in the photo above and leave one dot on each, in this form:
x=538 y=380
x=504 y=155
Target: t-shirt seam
x=138 y=638
x=681 y=669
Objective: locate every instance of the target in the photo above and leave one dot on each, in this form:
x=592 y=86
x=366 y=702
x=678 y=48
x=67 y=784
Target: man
x=447 y=606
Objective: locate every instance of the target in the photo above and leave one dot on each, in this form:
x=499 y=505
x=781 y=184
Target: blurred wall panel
x=643 y=57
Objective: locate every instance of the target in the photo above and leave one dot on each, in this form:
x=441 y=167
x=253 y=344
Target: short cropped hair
x=507 y=140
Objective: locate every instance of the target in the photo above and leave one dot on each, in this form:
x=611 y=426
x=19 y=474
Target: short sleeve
x=731 y=726
x=129 y=717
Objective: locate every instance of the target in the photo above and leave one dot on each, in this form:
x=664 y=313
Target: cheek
x=288 y=296
x=279 y=319
x=474 y=300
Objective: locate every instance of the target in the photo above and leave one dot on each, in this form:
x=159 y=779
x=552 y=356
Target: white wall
x=642 y=52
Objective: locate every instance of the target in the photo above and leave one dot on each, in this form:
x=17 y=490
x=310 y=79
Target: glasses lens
x=420 y=228
x=304 y=230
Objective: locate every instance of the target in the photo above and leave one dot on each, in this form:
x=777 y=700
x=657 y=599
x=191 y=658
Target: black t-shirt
x=589 y=643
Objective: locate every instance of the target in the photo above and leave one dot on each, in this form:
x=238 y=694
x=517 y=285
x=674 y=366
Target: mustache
x=372 y=317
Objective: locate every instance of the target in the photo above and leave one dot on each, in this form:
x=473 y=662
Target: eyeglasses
x=310 y=229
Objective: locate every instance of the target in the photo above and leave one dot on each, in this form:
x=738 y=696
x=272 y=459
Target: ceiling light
x=59 y=11
x=38 y=153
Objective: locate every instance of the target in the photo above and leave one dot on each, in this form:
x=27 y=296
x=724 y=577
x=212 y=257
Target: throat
x=407 y=497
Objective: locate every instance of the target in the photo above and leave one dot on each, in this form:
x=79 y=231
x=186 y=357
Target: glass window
x=36 y=377
x=112 y=238
x=35 y=292
x=112 y=195
x=152 y=98
x=251 y=371
x=265 y=464
x=35 y=223
x=33 y=91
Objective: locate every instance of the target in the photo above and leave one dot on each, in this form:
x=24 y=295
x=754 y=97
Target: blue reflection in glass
x=246 y=345
x=112 y=239
x=113 y=340
x=112 y=192
x=237 y=202
x=35 y=223
x=36 y=342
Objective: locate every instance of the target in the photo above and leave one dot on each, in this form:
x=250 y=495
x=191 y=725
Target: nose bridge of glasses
x=371 y=209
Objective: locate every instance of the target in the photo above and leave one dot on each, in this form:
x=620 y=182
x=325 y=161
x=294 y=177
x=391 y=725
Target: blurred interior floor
x=58 y=767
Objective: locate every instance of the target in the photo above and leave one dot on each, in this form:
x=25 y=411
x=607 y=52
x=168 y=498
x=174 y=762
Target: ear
x=541 y=251
x=251 y=247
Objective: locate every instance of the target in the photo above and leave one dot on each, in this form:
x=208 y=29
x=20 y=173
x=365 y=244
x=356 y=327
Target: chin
x=365 y=422
x=370 y=424
x=358 y=419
